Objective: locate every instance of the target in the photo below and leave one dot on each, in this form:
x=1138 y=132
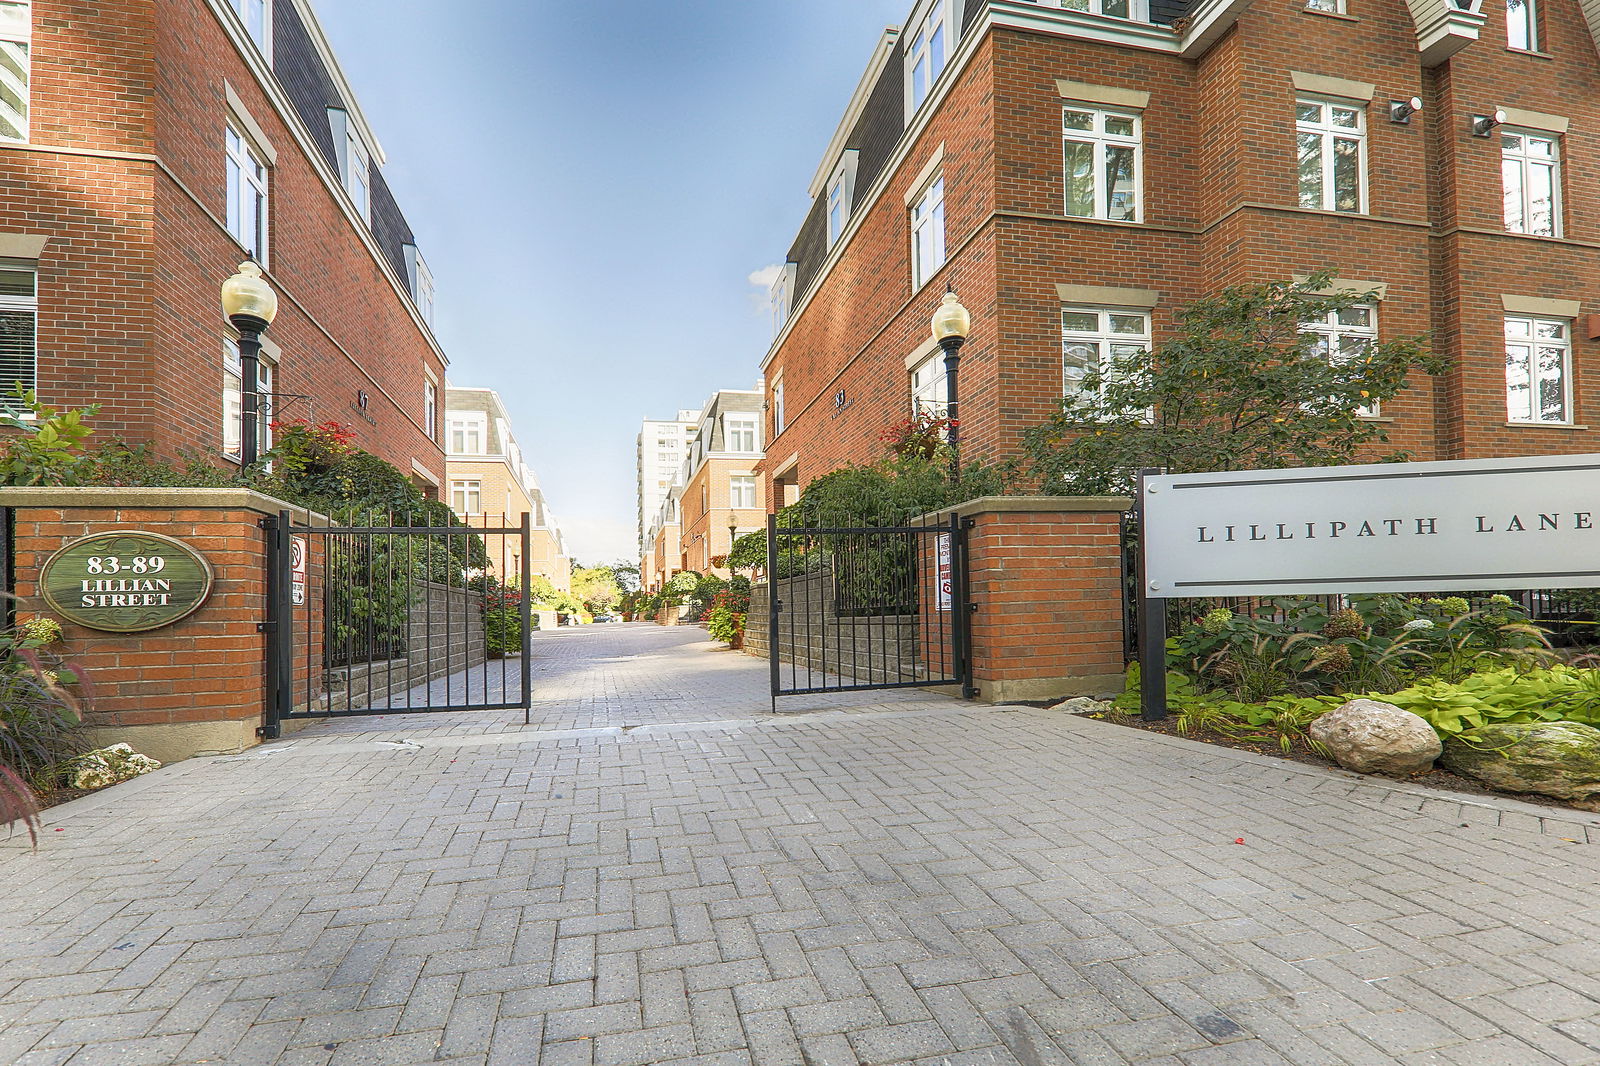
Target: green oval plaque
x=126 y=581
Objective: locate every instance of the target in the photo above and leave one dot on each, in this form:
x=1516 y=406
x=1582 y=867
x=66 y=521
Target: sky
x=593 y=184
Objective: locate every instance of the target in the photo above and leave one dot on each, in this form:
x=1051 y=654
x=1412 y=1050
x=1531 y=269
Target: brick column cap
x=1035 y=505
x=143 y=498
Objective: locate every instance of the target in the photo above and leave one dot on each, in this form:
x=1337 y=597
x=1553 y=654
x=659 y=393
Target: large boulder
x=1376 y=738
x=1560 y=759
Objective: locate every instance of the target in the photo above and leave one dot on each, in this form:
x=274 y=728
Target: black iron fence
x=397 y=617
x=856 y=608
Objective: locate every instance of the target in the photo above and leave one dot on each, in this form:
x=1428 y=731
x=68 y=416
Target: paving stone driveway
x=640 y=880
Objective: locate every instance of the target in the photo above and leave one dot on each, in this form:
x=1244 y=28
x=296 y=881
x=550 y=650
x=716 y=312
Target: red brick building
x=1079 y=170
x=149 y=146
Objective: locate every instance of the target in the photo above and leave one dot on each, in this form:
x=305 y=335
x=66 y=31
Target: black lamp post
x=733 y=533
x=951 y=322
x=250 y=305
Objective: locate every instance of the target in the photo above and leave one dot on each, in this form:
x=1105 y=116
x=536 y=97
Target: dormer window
x=256 y=16
x=927 y=52
x=841 y=191
x=355 y=161
x=1119 y=9
x=782 y=298
x=421 y=280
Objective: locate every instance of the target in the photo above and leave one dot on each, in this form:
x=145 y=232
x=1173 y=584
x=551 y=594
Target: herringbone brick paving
x=634 y=881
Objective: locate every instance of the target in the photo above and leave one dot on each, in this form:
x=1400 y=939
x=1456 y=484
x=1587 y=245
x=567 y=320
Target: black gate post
x=960 y=611
x=772 y=607
x=1152 y=623
x=526 y=614
x=278 y=626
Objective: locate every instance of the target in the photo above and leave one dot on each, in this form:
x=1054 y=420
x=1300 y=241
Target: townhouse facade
x=1080 y=170
x=146 y=149
x=719 y=496
x=491 y=483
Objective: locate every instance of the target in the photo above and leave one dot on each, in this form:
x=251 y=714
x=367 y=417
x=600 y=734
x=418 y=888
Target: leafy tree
x=597 y=587
x=1241 y=386
x=627 y=575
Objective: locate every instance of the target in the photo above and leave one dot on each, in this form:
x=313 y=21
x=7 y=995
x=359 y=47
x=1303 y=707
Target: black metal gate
x=396 y=619
x=861 y=608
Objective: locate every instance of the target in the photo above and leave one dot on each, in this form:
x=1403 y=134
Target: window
x=841 y=193
x=466 y=497
x=1343 y=335
x=779 y=421
x=16 y=39
x=430 y=409
x=741 y=491
x=926 y=54
x=247 y=195
x=1101 y=151
x=741 y=433
x=421 y=279
x=930 y=393
x=1122 y=9
x=1331 y=137
x=466 y=435
x=927 y=233
x=19 y=314
x=782 y=298
x=1327 y=7
x=1538 y=370
x=1530 y=168
x=358 y=173
x=233 y=401
x=1522 y=25
x=253 y=13
x=1091 y=338
x=705 y=497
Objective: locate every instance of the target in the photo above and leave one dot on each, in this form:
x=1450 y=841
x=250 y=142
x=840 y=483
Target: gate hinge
x=973 y=607
x=266 y=627
x=968 y=522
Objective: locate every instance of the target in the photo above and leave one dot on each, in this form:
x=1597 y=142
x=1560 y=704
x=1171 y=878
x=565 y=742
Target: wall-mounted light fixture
x=1483 y=125
x=1400 y=111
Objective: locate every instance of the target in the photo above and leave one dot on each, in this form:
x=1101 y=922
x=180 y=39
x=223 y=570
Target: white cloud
x=762 y=280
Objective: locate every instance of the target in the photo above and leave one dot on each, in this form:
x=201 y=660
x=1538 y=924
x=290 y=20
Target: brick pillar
x=192 y=688
x=1045 y=574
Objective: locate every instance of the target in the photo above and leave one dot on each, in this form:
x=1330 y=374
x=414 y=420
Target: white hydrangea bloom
x=1418 y=623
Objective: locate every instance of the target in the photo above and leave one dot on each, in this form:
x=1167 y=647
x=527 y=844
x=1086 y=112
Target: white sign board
x=945 y=579
x=1531 y=523
x=298 y=568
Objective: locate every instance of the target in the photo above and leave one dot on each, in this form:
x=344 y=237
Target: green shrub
x=502 y=631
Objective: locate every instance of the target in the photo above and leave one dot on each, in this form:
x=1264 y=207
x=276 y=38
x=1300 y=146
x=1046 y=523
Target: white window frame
x=928 y=48
x=1104 y=337
x=22 y=305
x=1327 y=7
x=471 y=427
x=1327 y=132
x=1136 y=10
x=930 y=394
x=1339 y=341
x=358 y=172
x=421 y=279
x=1522 y=353
x=464 y=491
x=1101 y=143
x=1527 y=21
x=16 y=71
x=233 y=400
x=840 y=196
x=782 y=298
x=735 y=428
x=1523 y=162
x=779 y=415
x=739 y=499
x=928 y=251
x=248 y=179
x=243 y=10
x=430 y=408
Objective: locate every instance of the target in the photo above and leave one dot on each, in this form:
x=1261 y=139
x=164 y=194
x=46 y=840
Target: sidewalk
x=639 y=880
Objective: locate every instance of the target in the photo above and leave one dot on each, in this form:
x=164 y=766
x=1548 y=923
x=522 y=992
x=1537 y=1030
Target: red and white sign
x=945 y=584
x=298 y=570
